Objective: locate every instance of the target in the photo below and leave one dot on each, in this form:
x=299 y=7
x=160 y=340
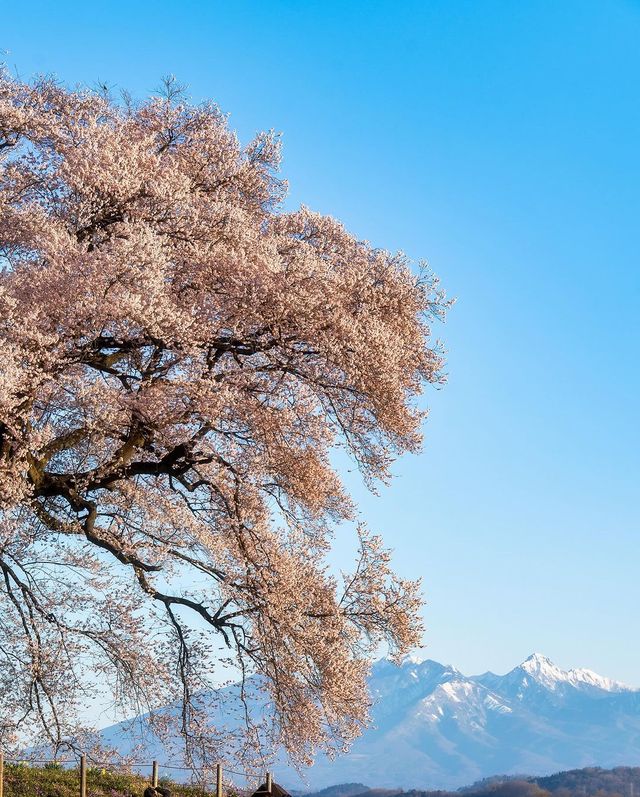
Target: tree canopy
x=179 y=358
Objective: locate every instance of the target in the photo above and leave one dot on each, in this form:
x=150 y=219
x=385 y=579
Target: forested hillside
x=588 y=782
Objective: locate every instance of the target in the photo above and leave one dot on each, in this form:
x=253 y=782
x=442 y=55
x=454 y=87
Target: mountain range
x=435 y=728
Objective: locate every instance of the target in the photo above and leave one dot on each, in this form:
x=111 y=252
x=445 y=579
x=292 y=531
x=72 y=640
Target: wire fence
x=218 y=782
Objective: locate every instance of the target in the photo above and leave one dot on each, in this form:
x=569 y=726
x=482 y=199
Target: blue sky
x=499 y=141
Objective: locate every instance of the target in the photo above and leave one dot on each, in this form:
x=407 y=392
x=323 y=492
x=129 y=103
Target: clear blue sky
x=500 y=141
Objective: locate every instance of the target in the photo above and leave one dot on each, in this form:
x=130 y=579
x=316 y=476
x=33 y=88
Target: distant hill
x=586 y=782
x=344 y=790
x=591 y=780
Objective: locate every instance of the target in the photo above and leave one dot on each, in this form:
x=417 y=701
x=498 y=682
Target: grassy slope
x=27 y=781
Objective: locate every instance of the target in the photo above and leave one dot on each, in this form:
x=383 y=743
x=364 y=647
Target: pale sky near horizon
x=501 y=142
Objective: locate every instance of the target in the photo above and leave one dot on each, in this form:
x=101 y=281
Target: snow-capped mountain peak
x=414 y=658
x=590 y=678
x=544 y=671
x=547 y=674
x=538 y=660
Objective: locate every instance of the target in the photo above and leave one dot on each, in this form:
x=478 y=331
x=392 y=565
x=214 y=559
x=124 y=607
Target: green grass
x=23 y=780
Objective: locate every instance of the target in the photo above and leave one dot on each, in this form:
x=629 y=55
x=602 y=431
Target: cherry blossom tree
x=179 y=359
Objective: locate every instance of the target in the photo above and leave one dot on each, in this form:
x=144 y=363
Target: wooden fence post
x=1 y=774
x=218 y=780
x=269 y=782
x=83 y=775
x=154 y=774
